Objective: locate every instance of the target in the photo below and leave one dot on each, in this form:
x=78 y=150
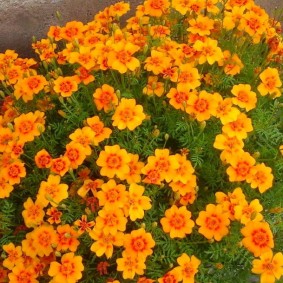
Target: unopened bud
x=166 y=137
x=58 y=254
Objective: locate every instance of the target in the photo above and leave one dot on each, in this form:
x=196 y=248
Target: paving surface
x=20 y=20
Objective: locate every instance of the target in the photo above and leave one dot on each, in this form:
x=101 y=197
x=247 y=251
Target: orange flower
x=184 y=171
x=105 y=98
x=173 y=276
x=72 y=30
x=213 y=222
x=101 y=132
x=164 y=163
x=13 y=255
x=134 y=175
x=104 y=242
x=84 y=76
x=270 y=82
x=240 y=168
x=209 y=51
x=13 y=172
x=269 y=267
x=43 y=238
x=52 y=191
x=114 y=161
x=128 y=115
x=188 y=267
x=121 y=57
x=188 y=77
x=177 y=222
x=258 y=237
x=85 y=137
x=178 y=99
x=65 y=86
x=201 y=25
x=119 y=9
x=6 y=135
x=15 y=148
x=83 y=225
x=69 y=271
x=111 y=220
x=157 y=62
x=84 y=57
x=261 y=177
x=156 y=8
x=66 y=238
x=34 y=84
x=60 y=165
x=55 y=215
x=112 y=195
x=245 y=98
x=43 y=159
x=239 y=127
x=27 y=126
x=89 y=185
x=153 y=87
x=201 y=106
x=137 y=202
x=130 y=264
x=75 y=152
x=5 y=187
x=33 y=213
x=232 y=63
x=22 y=274
x=139 y=243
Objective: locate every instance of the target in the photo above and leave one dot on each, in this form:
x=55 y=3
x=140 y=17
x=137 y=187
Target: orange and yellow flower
x=105 y=98
x=33 y=213
x=65 y=86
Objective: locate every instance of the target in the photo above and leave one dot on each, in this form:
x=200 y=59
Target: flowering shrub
x=149 y=151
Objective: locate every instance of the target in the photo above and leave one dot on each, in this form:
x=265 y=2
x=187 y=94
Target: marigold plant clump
x=145 y=149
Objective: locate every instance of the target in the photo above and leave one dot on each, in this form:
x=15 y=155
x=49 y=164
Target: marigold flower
x=89 y=185
x=121 y=57
x=66 y=238
x=188 y=77
x=33 y=213
x=258 y=237
x=178 y=99
x=105 y=98
x=13 y=172
x=15 y=148
x=177 y=222
x=51 y=191
x=156 y=62
x=13 y=255
x=101 y=132
x=114 y=161
x=270 y=82
x=245 y=212
x=139 y=242
x=269 y=267
x=104 y=242
x=188 y=267
x=201 y=106
x=156 y=8
x=112 y=195
x=128 y=115
x=60 y=165
x=84 y=56
x=43 y=159
x=213 y=222
x=5 y=187
x=72 y=30
x=69 y=270
x=261 y=177
x=173 y=276
x=137 y=203
x=75 y=152
x=22 y=274
x=209 y=51
x=153 y=87
x=131 y=264
x=240 y=167
x=111 y=220
x=42 y=240
x=201 y=25
x=232 y=63
x=245 y=98
x=27 y=126
x=119 y=9
x=65 y=86
x=239 y=127
x=55 y=215
x=83 y=225
x=84 y=76
x=6 y=135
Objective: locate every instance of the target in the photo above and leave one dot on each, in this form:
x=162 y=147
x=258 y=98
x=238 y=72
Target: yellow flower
x=22 y=274
x=270 y=82
x=114 y=161
x=245 y=212
x=269 y=267
x=137 y=203
x=13 y=255
x=65 y=86
x=33 y=213
x=188 y=267
x=201 y=25
x=69 y=270
x=245 y=98
x=213 y=222
x=177 y=222
x=128 y=115
x=258 y=237
x=156 y=8
x=130 y=264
